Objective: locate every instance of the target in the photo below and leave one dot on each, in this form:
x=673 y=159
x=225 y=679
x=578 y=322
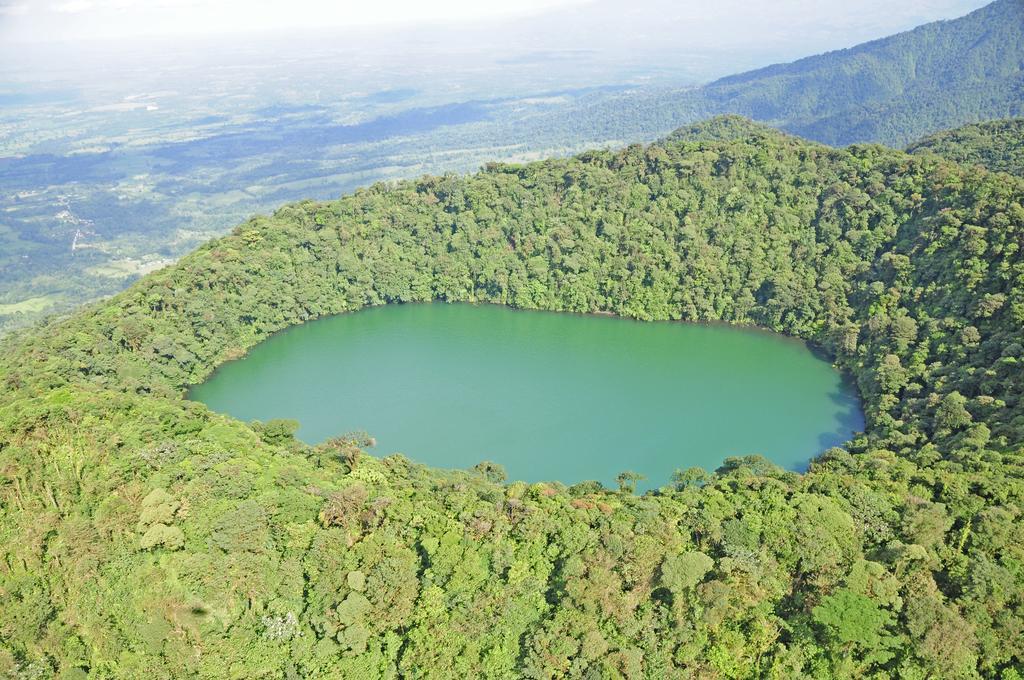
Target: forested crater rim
x=907 y=268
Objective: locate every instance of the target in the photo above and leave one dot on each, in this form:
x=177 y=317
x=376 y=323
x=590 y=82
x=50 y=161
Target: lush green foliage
x=893 y=90
x=997 y=145
x=889 y=91
x=145 y=536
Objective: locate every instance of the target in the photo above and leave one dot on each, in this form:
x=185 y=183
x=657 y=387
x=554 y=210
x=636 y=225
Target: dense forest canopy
x=997 y=145
x=199 y=180
x=144 y=535
x=892 y=90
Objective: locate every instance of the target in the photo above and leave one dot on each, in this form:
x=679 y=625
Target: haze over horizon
x=121 y=154
x=64 y=30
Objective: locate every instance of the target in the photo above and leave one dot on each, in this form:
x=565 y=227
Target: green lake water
x=549 y=396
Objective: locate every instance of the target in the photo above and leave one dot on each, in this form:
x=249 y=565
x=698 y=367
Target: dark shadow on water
x=850 y=417
x=820 y=353
x=849 y=411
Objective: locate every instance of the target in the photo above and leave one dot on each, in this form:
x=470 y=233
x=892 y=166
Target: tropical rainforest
x=892 y=90
x=997 y=145
x=145 y=536
x=143 y=200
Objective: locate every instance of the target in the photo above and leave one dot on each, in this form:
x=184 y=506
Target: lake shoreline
x=548 y=385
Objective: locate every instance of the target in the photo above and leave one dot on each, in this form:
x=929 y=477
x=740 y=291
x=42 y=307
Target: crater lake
x=549 y=396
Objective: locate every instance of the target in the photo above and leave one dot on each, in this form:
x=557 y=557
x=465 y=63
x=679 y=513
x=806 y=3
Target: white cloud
x=15 y=10
x=592 y=23
x=74 y=6
x=111 y=19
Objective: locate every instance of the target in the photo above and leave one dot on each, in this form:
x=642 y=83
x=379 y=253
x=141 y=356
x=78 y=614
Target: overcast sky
x=732 y=21
x=35 y=20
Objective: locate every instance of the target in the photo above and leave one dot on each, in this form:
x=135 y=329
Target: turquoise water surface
x=549 y=396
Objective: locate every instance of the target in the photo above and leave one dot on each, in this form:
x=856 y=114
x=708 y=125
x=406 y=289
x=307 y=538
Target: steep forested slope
x=893 y=90
x=890 y=91
x=143 y=535
x=997 y=145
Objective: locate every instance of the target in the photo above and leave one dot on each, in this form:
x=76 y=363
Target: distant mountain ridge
x=894 y=89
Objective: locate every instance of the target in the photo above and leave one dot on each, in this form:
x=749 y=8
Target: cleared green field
x=29 y=306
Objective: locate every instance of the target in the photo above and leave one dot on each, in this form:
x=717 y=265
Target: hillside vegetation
x=997 y=145
x=202 y=179
x=144 y=536
x=890 y=91
x=893 y=90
